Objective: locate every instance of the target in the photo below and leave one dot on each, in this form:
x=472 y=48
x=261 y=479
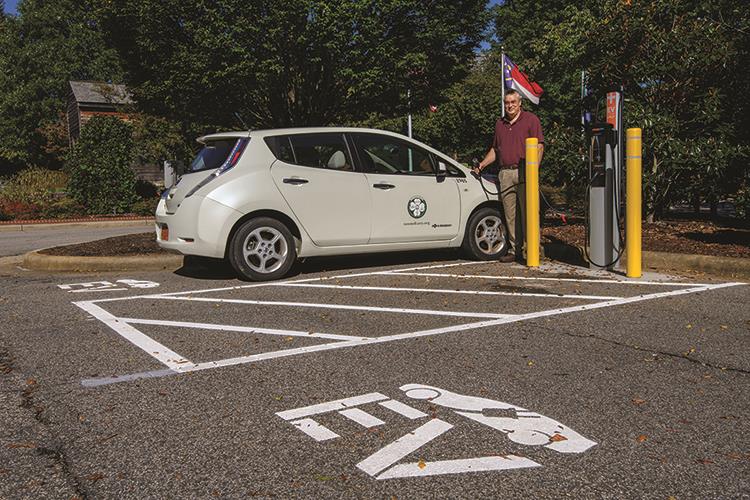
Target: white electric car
x=262 y=199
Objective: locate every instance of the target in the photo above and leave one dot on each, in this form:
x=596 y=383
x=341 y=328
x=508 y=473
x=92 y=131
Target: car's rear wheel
x=485 y=235
x=262 y=249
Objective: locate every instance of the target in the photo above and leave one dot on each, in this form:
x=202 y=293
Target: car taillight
x=231 y=161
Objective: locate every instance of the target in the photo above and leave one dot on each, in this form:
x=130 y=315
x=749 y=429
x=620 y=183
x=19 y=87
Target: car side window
x=326 y=150
x=383 y=154
x=281 y=148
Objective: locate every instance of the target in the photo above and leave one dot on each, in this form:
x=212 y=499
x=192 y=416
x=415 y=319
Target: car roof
x=295 y=130
x=313 y=130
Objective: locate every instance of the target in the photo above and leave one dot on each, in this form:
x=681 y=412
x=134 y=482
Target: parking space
x=419 y=380
x=200 y=329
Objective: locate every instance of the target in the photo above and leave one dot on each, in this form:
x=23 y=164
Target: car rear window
x=213 y=155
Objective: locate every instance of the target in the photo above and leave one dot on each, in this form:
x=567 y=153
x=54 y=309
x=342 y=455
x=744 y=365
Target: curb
x=34 y=225
x=41 y=262
x=732 y=267
x=661 y=261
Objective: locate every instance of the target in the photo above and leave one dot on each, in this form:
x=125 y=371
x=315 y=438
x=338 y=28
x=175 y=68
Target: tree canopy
x=298 y=62
x=194 y=66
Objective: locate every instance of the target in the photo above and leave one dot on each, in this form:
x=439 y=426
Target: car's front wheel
x=485 y=235
x=262 y=249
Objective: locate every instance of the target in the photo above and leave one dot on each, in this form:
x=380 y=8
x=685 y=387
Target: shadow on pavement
x=218 y=269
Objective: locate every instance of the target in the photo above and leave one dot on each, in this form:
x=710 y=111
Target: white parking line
x=126 y=331
x=242 y=329
x=149 y=345
x=540 y=278
x=457 y=314
x=179 y=364
x=444 y=291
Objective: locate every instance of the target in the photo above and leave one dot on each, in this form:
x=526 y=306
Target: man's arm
x=489 y=159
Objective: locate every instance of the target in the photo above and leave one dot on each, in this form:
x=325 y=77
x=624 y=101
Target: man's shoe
x=508 y=257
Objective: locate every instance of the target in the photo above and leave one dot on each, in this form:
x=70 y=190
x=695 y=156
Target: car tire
x=485 y=237
x=262 y=249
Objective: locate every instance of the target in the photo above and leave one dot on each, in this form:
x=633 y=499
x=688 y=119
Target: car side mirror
x=442 y=170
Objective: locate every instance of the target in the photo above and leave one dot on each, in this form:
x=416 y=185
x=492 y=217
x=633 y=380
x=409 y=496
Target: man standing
x=509 y=149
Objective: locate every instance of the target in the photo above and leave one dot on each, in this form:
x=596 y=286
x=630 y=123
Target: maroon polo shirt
x=510 y=140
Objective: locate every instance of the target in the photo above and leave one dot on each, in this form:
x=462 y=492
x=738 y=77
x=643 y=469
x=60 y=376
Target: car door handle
x=383 y=186
x=295 y=180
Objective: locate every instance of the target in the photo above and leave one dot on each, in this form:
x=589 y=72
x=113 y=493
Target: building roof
x=100 y=93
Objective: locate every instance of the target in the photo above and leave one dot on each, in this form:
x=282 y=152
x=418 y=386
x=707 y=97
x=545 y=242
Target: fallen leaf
x=21 y=445
x=31 y=381
x=321 y=477
x=421 y=464
x=704 y=461
x=556 y=438
x=688 y=326
x=638 y=401
x=530 y=363
x=723 y=327
x=95 y=477
x=641 y=438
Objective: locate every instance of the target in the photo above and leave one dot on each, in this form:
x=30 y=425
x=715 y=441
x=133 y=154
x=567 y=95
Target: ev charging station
x=605 y=140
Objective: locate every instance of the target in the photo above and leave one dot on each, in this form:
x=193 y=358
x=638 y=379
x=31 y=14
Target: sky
x=10 y=6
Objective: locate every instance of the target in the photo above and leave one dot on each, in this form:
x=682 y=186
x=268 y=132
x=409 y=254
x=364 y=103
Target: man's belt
x=509 y=167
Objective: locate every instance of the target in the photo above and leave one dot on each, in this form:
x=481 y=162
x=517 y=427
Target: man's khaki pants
x=513 y=196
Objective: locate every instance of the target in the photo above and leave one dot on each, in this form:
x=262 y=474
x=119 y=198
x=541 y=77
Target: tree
x=101 y=178
x=41 y=49
x=282 y=63
x=681 y=65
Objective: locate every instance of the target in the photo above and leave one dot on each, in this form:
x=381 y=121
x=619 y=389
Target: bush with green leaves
x=34 y=185
x=101 y=178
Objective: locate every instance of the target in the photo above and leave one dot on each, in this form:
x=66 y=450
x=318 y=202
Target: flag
x=517 y=80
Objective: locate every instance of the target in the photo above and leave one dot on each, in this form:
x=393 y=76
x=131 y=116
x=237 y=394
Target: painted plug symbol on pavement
x=525 y=428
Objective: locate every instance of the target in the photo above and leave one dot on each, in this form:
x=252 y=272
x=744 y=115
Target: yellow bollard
x=633 y=202
x=532 y=202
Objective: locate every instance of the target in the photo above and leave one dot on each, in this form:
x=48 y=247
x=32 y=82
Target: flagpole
x=408 y=120
x=502 y=81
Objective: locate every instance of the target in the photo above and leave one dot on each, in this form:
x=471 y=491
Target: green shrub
x=19 y=210
x=64 y=207
x=99 y=165
x=146 y=206
x=34 y=185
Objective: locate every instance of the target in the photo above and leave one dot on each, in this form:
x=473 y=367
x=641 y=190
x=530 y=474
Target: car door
x=409 y=201
x=315 y=175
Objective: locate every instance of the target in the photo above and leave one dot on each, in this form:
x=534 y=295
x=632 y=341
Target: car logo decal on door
x=417 y=207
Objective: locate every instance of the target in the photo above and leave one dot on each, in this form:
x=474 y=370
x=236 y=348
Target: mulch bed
x=688 y=237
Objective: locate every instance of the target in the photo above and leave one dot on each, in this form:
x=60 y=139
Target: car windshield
x=212 y=155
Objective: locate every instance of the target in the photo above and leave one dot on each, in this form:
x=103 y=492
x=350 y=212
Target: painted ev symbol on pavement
x=525 y=427
x=107 y=286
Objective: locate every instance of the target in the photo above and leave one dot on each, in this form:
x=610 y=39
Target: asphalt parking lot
x=370 y=377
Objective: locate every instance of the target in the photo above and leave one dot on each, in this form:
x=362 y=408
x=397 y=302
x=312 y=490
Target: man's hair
x=514 y=92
